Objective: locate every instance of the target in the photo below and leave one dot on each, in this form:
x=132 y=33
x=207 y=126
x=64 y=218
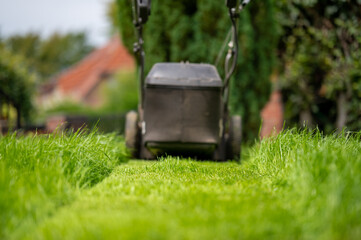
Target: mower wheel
x=145 y=154
x=132 y=133
x=235 y=138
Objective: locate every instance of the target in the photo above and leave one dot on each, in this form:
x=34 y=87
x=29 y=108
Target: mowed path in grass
x=172 y=199
x=294 y=186
x=299 y=185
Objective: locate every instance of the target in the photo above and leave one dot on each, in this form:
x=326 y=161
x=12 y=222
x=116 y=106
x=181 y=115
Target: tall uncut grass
x=39 y=174
x=317 y=178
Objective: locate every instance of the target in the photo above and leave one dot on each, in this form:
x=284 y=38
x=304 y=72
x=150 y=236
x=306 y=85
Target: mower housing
x=182 y=109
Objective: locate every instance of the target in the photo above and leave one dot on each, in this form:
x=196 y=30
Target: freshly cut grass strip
x=39 y=174
x=299 y=185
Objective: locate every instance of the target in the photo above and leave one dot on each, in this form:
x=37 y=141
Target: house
x=272 y=116
x=81 y=83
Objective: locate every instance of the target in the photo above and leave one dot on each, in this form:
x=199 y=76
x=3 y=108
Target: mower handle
x=231 y=58
x=143 y=8
x=141 y=12
x=232 y=55
x=233 y=3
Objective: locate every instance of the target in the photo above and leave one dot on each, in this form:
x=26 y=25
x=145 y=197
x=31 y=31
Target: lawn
x=299 y=185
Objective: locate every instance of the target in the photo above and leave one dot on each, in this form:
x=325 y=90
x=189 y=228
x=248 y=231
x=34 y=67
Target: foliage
x=70 y=107
x=113 y=16
x=121 y=93
x=36 y=61
x=51 y=55
x=194 y=31
x=298 y=185
x=16 y=83
x=321 y=54
x=39 y=174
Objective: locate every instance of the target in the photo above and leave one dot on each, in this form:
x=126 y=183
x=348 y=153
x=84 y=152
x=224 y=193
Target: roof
x=80 y=79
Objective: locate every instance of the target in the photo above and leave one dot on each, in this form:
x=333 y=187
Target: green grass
x=299 y=185
x=40 y=174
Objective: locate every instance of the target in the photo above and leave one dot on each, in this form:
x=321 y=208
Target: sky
x=48 y=16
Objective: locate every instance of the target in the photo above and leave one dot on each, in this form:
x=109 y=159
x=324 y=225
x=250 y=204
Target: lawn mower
x=183 y=107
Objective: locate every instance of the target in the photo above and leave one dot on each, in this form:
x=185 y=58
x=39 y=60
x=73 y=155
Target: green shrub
x=69 y=107
x=121 y=94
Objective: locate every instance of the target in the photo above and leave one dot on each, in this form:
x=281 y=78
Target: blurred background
x=71 y=61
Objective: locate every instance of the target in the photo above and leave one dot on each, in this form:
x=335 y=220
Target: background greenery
x=51 y=55
x=26 y=61
x=17 y=85
x=122 y=93
x=320 y=59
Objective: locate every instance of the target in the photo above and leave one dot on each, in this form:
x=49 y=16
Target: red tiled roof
x=84 y=76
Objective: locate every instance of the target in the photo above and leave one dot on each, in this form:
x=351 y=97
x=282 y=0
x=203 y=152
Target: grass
x=40 y=174
x=299 y=185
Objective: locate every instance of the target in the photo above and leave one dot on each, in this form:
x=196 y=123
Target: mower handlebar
x=143 y=8
x=233 y=3
x=245 y=2
x=142 y=11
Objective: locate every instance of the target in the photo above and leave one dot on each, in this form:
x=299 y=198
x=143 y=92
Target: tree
x=194 y=30
x=16 y=86
x=112 y=15
x=49 y=56
x=320 y=48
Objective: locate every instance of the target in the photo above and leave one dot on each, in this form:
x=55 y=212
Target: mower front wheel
x=235 y=138
x=132 y=133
